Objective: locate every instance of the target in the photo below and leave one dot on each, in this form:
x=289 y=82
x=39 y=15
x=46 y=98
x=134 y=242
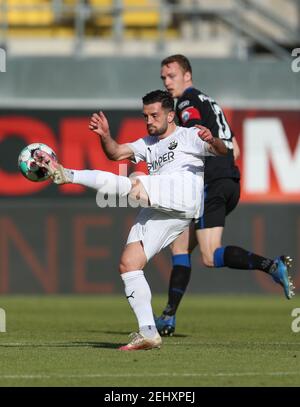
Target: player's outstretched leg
x=238 y=258
x=104 y=182
x=57 y=172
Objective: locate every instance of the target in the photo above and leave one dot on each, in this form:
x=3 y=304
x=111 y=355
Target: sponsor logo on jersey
x=183 y=104
x=173 y=145
x=162 y=160
x=189 y=114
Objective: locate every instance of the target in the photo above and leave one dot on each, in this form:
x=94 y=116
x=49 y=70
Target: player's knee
x=127 y=264
x=138 y=193
x=207 y=259
x=135 y=183
x=179 y=246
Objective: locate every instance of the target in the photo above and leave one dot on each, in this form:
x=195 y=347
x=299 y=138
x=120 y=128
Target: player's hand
x=205 y=134
x=99 y=124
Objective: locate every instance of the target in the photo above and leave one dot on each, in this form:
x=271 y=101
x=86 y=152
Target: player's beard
x=157 y=131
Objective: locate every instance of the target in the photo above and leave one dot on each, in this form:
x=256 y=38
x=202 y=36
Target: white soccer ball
x=29 y=167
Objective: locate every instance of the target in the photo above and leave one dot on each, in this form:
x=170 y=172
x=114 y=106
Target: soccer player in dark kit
x=222 y=192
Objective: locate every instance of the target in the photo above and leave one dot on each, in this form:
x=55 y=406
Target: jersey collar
x=187 y=90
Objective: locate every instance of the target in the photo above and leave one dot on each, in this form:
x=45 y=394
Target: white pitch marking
x=100 y=375
x=2 y=320
x=183 y=343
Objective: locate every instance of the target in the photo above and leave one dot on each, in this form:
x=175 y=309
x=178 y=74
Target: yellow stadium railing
x=131 y=18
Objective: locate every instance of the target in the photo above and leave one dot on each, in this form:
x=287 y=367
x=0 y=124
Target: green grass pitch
x=219 y=341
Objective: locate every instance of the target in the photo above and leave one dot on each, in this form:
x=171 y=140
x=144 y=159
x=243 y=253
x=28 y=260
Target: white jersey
x=183 y=150
x=177 y=162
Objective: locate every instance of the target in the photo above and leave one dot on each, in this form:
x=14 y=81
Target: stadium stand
x=131 y=17
x=29 y=13
x=234 y=27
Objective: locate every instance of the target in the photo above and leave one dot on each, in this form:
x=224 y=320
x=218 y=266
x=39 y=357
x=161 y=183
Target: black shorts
x=220 y=198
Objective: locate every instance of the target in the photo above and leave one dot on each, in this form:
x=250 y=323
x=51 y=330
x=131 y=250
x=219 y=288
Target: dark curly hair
x=161 y=96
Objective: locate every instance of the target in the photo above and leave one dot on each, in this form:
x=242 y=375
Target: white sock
x=138 y=294
x=105 y=182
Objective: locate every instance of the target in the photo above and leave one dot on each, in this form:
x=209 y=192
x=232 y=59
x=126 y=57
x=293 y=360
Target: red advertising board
x=269 y=142
x=270 y=154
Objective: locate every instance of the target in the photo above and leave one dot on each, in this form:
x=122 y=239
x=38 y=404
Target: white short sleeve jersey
x=183 y=150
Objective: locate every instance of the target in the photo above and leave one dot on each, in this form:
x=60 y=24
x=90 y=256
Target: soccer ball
x=29 y=167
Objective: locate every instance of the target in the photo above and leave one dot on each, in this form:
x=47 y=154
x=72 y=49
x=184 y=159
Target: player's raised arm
x=113 y=150
x=216 y=145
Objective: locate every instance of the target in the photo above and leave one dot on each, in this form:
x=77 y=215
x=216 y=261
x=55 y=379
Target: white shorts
x=156 y=230
x=180 y=194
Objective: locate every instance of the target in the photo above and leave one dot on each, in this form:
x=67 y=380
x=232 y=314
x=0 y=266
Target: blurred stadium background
x=63 y=59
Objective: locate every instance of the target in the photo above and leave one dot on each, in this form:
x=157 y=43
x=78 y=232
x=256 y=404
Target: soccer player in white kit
x=175 y=159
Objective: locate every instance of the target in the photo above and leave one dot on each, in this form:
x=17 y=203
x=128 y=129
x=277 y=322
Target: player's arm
x=113 y=150
x=216 y=145
x=192 y=116
x=192 y=111
x=236 y=148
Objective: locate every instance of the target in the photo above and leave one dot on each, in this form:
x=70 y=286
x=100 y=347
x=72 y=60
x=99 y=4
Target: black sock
x=238 y=258
x=179 y=280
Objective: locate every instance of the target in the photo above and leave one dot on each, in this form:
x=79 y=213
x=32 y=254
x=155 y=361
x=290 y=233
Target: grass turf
x=219 y=341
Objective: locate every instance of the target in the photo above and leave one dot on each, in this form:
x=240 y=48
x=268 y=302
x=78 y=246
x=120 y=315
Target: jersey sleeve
x=198 y=108
x=191 y=111
x=139 y=148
